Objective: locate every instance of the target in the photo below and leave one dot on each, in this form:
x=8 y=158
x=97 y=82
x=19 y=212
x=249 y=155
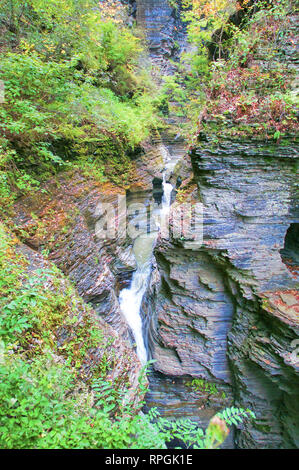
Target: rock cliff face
x=110 y=352
x=165 y=32
x=68 y=222
x=225 y=312
x=62 y=222
x=157 y=18
x=228 y=311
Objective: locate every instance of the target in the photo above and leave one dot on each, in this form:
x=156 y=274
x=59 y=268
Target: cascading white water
x=131 y=298
x=167 y=190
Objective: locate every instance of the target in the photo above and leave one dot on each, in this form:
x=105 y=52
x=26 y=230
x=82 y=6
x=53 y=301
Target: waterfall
x=167 y=190
x=130 y=299
x=130 y=303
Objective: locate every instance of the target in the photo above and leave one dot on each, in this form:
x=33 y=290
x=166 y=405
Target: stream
x=130 y=299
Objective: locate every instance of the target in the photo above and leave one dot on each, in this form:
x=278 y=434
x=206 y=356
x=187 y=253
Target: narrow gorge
x=219 y=317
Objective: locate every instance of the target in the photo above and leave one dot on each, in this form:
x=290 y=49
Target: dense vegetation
x=78 y=92
x=75 y=92
x=240 y=79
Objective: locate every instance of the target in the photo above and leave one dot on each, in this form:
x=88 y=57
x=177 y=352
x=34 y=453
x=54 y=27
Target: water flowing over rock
x=131 y=298
x=68 y=216
x=228 y=312
x=67 y=222
x=124 y=370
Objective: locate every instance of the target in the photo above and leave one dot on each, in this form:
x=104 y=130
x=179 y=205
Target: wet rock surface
x=265 y=369
x=184 y=400
x=225 y=312
x=80 y=225
x=250 y=193
x=64 y=224
x=193 y=315
x=122 y=364
x=164 y=30
x=228 y=311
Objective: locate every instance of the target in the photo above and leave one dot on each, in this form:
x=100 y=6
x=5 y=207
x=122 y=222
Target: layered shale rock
x=227 y=311
x=80 y=224
x=157 y=18
x=110 y=354
x=165 y=32
x=62 y=224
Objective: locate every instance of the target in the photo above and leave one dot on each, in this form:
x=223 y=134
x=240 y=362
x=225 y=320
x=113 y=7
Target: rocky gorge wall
x=164 y=30
x=224 y=313
x=228 y=311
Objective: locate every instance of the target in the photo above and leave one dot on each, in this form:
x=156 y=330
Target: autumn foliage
x=252 y=92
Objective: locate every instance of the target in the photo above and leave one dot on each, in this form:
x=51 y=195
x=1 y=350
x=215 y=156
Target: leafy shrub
x=42 y=407
x=248 y=90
